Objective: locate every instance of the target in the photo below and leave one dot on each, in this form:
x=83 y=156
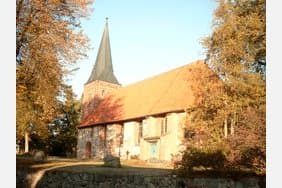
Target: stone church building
x=145 y=120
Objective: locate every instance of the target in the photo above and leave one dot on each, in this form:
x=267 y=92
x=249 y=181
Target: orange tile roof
x=167 y=92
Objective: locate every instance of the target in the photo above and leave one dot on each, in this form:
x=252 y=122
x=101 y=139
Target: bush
x=216 y=163
x=195 y=159
x=134 y=157
x=254 y=158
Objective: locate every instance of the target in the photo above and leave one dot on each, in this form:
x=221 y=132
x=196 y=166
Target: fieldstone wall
x=113 y=139
x=63 y=179
x=104 y=140
x=96 y=137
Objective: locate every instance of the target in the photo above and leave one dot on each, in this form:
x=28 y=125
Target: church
x=145 y=120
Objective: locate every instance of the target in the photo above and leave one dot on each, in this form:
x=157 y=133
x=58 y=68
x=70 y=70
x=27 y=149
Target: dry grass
x=91 y=166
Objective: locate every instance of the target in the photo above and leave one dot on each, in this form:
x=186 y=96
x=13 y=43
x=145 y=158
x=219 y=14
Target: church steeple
x=103 y=68
x=102 y=80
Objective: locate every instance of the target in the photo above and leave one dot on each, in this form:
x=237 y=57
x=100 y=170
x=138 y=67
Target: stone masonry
x=65 y=179
x=99 y=141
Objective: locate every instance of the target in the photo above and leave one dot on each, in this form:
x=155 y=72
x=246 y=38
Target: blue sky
x=147 y=37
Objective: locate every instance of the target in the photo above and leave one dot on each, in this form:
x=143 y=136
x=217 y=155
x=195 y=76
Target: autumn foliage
x=229 y=114
x=49 y=42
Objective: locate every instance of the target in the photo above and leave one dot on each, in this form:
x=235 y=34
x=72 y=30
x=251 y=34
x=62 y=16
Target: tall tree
x=63 y=131
x=231 y=115
x=49 y=43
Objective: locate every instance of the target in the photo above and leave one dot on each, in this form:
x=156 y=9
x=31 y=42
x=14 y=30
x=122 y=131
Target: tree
x=231 y=116
x=63 y=131
x=48 y=44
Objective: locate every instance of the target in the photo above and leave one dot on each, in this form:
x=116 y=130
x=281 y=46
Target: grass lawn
x=91 y=166
x=129 y=167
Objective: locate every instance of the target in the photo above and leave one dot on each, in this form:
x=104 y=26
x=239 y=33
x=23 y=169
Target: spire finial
x=107 y=19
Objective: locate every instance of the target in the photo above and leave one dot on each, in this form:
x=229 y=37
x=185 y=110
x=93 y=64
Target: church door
x=88 y=150
x=154 y=150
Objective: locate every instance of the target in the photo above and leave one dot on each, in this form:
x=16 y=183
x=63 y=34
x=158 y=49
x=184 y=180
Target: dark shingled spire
x=103 y=68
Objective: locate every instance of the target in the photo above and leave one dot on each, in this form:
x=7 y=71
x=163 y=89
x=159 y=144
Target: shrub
x=196 y=159
x=134 y=157
x=254 y=158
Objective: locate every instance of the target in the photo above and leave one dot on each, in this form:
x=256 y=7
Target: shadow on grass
x=27 y=162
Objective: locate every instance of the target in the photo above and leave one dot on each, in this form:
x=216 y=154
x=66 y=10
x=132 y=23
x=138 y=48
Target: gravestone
x=39 y=156
x=112 y=161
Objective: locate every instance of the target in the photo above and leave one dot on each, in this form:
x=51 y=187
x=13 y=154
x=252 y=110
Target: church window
x=121 y=135
x=164 y=129
x=144 y=127
x=91 y=132
x=140 y=134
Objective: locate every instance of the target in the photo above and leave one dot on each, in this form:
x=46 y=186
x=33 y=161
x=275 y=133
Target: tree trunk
x=225 y=128
x=232 y=125
x=26 y=140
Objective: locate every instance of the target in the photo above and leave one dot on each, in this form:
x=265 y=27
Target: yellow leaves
x=233 y=49
x=46 y=44
x=240 y=36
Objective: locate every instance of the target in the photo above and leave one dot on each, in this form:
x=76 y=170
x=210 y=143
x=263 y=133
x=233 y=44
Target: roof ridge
x=169 y=91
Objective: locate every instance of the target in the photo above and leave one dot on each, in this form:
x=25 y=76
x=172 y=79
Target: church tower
x=102 y=79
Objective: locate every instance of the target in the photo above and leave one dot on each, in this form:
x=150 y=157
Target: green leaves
x=63 y=132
